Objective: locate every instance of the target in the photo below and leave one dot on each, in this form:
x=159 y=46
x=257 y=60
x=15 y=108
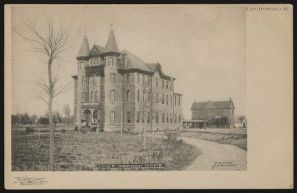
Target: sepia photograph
x=121 y=88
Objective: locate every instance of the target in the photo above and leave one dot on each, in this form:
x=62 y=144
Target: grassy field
x=237 y=137
x=87 y=151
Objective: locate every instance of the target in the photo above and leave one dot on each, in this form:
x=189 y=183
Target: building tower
x=112 y=85
x=82 y=61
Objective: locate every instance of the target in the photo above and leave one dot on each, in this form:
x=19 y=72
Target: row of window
x=166 y=117
x=94 y=61
x=110 y=61
x=93 y=97
x=145 y=97
x=90 y=80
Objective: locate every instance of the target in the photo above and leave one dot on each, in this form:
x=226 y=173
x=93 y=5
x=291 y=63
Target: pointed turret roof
x=84 y=48
x=111 y=44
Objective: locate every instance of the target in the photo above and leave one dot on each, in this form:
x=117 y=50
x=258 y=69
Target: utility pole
x=122 y=120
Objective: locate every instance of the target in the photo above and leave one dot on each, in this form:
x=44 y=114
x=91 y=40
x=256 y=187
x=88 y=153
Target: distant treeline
x=26 y=119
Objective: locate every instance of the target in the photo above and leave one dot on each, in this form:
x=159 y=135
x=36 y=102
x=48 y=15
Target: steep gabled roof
x=84 y=48
x=212 y=105
x=111 y=44
x=96 y=50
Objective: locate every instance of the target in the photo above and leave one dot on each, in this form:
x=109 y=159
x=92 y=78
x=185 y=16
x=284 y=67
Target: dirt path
x=216 y=156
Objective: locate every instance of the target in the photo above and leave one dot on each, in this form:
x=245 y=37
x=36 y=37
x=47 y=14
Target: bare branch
x=39 y=96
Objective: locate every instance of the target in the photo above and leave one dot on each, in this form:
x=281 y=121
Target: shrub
x=29 y=130
x=171 y=136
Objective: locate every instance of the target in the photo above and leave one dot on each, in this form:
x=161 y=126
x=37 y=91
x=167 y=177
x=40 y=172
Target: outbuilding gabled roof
x=213 y=105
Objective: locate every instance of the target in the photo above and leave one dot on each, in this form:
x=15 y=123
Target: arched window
x=128 y=95
x=128 y=117
x=112 y=95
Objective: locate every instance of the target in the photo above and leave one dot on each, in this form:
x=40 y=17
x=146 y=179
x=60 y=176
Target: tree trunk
x=50 y=115
x=51 y=131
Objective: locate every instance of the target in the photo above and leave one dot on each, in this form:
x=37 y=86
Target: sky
x=202 y=46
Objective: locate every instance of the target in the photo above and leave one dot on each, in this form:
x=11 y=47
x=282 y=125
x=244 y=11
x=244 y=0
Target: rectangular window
x=138 y=96
x=128 y=117
x=157 y=97
x=112 y=77
x=112 y=116
x=148 y=117
x=84 y=80
x=170 y=99
x=137 y=78
x=166 y=84
x=163 y=117
x=127 y=78
x=163 y=98
x=109 y=61
x=143 y=117
x=179 y=118
x=143 y=96
x=84 y=97
x=143 y=79
x=156 y=82
x=162 y=83
x=96 y=96
x=167 y=99
x=175 y=100
x=157 y=117
x=138 y=117
x=178 y=101
x=114 y=61
x=91 y=97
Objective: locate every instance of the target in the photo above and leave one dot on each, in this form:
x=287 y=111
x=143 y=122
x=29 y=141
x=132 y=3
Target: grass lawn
x=87 y=151
x=232 y=137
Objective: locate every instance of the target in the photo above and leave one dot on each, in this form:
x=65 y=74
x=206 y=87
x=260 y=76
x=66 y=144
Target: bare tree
x=51 y=43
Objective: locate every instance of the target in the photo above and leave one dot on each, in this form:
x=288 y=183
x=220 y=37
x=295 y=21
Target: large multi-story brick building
x=116 y=89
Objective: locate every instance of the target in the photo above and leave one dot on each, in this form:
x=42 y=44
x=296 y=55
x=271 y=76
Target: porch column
x=91 y=114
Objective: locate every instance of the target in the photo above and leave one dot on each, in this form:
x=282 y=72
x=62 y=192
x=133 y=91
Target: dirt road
x=216 y=156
